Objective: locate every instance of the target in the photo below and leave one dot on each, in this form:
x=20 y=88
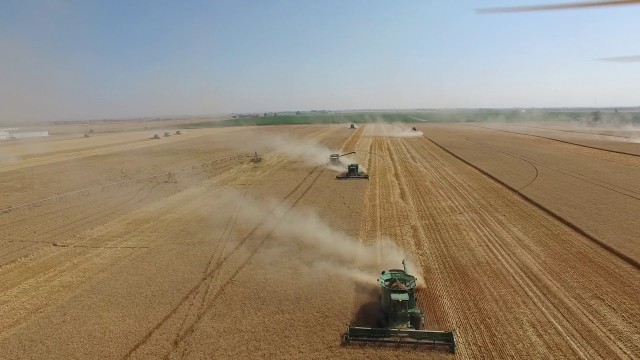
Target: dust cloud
x=318 y=246
x=597 y=125
x=309 y=152
x=623 y=127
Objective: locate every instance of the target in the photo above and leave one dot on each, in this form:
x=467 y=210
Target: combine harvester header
x=402 y=319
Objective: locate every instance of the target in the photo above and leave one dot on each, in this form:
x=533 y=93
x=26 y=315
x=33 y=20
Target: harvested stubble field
x=182 y=248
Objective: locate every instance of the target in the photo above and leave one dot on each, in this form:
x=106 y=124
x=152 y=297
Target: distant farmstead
x=16 y=133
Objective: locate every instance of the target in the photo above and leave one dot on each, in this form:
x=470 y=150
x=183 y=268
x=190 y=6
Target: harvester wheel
x=416 y=322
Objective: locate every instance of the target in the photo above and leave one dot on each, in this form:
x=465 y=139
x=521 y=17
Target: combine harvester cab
x=402 y=319
x=353 y=172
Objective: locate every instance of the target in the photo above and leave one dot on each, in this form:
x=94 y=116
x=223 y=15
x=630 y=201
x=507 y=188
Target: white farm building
x=16 y=133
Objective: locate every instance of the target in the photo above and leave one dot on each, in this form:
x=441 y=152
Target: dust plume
x=611 y=126
x=310 y=152
x=317 y=245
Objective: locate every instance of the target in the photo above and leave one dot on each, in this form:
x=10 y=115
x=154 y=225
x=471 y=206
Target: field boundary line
x=566 y=222
x=558 y=140
x=597 y=182
x=575 y=131
x=523 y=158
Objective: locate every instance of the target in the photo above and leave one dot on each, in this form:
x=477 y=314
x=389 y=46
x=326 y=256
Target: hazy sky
x=69 y=60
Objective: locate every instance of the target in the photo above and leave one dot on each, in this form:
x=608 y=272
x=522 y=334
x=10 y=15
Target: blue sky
x=70 y=60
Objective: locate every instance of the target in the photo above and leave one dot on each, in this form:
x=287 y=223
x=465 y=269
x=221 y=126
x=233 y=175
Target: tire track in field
x=373 y=224
x=388 y=213
x=352 y=140
x=52 y=272
x=63 y=265
x=535 y=168
x=220 y=244
x=219 y=261
x=588 y=179
x=437 y=198
x=560 y=141
x=57 y=233
x=393 y=205
x=53 y=234
x=370 y=231
x=77 y=154
x=576 y=228
x=182 y=338
x=83 y=148
x=226 y=234
x=550 y=297
x=453 y=191
x=212 y=273
x=431 y=299
x=442 y=184
x=189 y=330
x=62 y=273
x=577 y=132
x=203 y=281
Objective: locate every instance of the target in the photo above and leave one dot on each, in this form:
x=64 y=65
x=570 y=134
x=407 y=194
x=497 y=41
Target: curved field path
x=597 y=191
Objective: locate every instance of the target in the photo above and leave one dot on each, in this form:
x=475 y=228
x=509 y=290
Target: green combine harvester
x=401 y=319
x=353 y=172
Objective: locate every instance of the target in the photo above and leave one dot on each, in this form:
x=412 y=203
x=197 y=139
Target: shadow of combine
x=369 y=313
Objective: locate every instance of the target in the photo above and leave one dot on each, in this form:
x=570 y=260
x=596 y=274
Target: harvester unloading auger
x=334 y=159
x=401 y=319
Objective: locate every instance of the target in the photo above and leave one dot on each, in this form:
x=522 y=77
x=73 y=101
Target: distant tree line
x=253 y=115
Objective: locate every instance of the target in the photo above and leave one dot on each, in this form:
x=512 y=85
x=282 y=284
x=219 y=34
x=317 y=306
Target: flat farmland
x=122 y=247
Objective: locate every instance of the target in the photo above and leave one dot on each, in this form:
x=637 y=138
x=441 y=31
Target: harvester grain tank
x=401 y=320
x=353 y=172
x=334 y=159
